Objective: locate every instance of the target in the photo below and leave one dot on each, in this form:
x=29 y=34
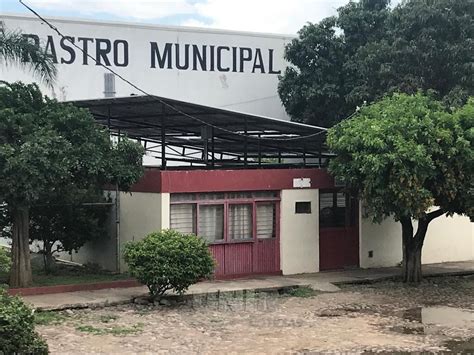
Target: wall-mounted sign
x=300 y=183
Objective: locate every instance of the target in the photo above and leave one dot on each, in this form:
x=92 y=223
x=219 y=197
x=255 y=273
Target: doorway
x=338 y=230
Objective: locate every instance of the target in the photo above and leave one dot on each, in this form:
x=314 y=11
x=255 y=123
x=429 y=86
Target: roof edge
x=149 y=26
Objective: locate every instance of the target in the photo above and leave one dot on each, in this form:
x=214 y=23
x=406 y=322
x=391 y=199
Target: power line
x=55 y=29
x=249 y=101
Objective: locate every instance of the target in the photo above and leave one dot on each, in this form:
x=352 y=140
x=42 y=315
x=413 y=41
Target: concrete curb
x=367 y=281
x=212 y=294
x=324 y=285
x=93 y=286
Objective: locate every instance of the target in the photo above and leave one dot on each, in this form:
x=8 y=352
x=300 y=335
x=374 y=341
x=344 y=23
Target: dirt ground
x=387 y=316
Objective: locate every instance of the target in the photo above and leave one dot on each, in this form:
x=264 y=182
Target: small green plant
x=17 y=328
x=107 y=318
x=141 y=312
x=169 y=260
x=134 y=329
x=90 y=329
x=303 y=292
x=47 y=318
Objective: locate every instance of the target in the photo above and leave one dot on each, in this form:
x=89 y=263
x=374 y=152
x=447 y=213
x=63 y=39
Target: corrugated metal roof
x=222 y=137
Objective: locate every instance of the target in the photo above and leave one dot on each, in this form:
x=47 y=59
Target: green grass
x=68 y=278
x=90 y=329
x=134 y=329
x=107 y=318
x=143 y=311
x=65 y=274
x=115 y=330
x=303 y=292
x=47 y=318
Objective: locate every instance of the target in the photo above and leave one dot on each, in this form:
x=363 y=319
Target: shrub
x=17 y=332
x=169 y=260
x=5 y=261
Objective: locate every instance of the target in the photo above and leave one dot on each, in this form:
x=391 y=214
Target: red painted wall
x=156 y=180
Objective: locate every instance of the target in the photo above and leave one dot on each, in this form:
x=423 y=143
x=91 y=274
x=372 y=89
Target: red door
x=257 y=252
x=266 y=252
x=338 y=230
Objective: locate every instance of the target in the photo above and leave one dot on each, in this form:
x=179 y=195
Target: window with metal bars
x=226 y=217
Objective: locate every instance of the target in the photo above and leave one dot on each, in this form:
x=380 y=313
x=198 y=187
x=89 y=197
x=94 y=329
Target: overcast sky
x=277 y=16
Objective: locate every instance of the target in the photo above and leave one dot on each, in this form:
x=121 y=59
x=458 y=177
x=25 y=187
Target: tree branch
x=435 y=214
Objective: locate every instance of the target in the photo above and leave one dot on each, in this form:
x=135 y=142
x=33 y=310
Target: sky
x=273 y=16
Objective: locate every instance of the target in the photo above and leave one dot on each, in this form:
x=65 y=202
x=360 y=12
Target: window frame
x=350 y=221
x=198 y=207
x=276 y=225
x=227 y=201
x=247 y=240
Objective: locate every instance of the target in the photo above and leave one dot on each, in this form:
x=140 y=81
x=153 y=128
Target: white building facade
x=299 y=229
x=226 y=69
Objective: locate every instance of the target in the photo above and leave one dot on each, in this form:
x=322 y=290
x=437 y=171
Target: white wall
x=165 y=210
x=299 y=233
x=447 y=239
x=384 y=240
x=253 y=92
x=140 y=214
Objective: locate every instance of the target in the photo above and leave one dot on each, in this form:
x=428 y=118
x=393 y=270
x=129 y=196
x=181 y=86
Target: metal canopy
x=177 y=131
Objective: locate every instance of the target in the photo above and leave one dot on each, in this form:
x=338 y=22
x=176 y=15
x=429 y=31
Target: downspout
x=117 y=206
x=117 y=228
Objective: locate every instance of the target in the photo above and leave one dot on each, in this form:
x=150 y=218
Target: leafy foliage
x=169 y=260
x=405 y=154
x=5 y=260
x=66 y=223
x=49 y=152
x=17 y=50
x=369 y=50
x=17 y=332
x=50 y=149
x=5 y=221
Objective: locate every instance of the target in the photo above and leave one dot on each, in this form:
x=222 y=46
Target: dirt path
x=381 y=317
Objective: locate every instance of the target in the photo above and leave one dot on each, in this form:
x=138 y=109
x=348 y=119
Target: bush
x=169 y=260
x=5 y=261
x=17 y=332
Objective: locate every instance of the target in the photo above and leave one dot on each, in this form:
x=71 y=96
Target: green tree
x=411 y=159
x=369 y=50
x=65 y=225
x=15 y=49
x=48 y=149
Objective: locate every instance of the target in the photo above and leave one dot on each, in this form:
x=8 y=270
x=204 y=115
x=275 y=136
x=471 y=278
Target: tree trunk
x=413 y=244
x=48 y=259
x=20 y=275
x=412 y=265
